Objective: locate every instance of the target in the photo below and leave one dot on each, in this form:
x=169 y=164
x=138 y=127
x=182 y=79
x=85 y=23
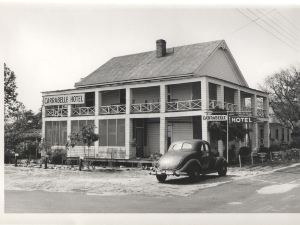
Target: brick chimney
x=160 y=48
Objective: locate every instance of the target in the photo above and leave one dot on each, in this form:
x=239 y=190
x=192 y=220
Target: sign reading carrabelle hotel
x=141 y=103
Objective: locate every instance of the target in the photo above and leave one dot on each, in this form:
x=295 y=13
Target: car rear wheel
x=222 y=170
x=194 y=173
x=161 y=178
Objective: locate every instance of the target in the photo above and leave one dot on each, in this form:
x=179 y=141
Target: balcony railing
x=214 y=103
x=83 y=111
x=145 y=107
x=112 y=109
x=230 y=106
x=56 y=112
x=262 y=113
x=184 y=105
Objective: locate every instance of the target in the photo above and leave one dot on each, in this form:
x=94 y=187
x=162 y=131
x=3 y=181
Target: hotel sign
x=64 y=99
x=241 y=119
x=215 y=118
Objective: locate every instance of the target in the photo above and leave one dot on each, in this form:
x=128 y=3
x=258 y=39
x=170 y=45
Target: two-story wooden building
x=140 y=103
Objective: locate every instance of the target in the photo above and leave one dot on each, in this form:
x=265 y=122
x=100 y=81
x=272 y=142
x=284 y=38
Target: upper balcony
x=145 y=100
x=112 y=102
x=86 y=109
x=56 y=111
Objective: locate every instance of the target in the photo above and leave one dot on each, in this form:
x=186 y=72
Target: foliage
x=57 y=156
x=284 y=91
x=86 y=135
x=245 y=151
x=11 y=105
x=218 y=130
x=274 y=148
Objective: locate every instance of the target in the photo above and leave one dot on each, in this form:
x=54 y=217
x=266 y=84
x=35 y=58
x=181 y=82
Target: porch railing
x=262 y=113
x=145 y=107
x=230 y=106
x=184 y=105
x=56 y=112
x=83 y=111
x=214 y=103
x=112 y=109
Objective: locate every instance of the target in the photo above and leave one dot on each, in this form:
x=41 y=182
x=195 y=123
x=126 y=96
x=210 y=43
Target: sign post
x=16 y=162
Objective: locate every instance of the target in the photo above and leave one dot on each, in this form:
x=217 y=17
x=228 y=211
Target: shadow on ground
x=199 y=180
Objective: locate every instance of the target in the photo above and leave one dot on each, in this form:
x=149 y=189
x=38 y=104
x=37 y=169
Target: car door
x=211 y=157
x=204 y=160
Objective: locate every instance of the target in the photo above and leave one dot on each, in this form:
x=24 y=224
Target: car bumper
x=176 y=173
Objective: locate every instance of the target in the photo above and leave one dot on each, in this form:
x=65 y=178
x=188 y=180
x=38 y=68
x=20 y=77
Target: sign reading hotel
x=64 y=99
x=215 y=118
x=241 y=119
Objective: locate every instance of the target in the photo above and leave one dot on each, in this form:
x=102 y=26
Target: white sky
x=51 y=47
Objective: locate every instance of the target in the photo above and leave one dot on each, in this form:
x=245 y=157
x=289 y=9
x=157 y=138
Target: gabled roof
x=179 y=61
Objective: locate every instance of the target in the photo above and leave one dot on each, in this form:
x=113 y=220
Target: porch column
x=220 y=96
x=162 y=98
x=267 y=134
x=163 y=135
x=43 y=121
x=237 y=99
x=254 y=105
x=254 y=137
x=205 y=107
x=96 y=103
x=128 y=136
x=266 y=105
x=69 y=121
x=128 y=99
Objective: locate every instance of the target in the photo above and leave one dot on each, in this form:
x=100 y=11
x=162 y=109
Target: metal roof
x=179 y=61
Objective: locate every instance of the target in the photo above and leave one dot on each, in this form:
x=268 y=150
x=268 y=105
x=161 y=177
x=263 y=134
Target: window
x=277 y=134
x=186 y=146
x=282 y=134
x=177 y=146
x=77 y=125
x=112 y=132
x=56 y=132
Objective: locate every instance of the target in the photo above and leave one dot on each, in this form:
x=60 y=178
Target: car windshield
x=178 y=146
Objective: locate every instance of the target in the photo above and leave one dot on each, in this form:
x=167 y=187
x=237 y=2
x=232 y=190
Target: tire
x=194 y=173
x=161 y=178
x=222 y=170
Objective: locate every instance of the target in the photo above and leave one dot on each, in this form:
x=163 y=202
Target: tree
x=284 y=92
x=11 y=105
x=86 y=135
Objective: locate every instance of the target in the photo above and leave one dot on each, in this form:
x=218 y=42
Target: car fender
x=219 y=162
x=189 y=163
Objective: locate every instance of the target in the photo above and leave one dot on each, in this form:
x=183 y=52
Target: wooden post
x=240 y=161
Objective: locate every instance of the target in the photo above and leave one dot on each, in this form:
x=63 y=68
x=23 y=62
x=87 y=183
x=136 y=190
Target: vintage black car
x=191 y=158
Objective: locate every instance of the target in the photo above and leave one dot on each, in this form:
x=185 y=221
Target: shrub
x=274 y=148
x=264 y=149
x=245 y=151
x=58 y=156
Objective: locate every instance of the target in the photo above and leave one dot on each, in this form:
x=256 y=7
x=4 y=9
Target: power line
x=282 y=26
x=262 y=27
x=252 y=21
x=286 y=36
x=286 y=19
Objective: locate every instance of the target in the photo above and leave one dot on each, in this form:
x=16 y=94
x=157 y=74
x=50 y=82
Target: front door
x=140 y=142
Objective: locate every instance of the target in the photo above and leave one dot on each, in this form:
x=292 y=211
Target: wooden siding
x=181 y=92
x=220 y=66
x=152 y=139
x=151 y=94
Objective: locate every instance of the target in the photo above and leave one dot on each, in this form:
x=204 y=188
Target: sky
x=52 y=46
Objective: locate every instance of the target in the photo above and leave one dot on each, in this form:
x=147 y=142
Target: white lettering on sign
x=64 y=99
x=239 y=119
x=215 y=118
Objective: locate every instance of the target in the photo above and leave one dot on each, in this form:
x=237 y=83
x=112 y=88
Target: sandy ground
x=124 y=181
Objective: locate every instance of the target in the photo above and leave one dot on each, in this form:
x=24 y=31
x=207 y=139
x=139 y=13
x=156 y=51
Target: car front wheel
x=222 y=170
x=161 y=178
